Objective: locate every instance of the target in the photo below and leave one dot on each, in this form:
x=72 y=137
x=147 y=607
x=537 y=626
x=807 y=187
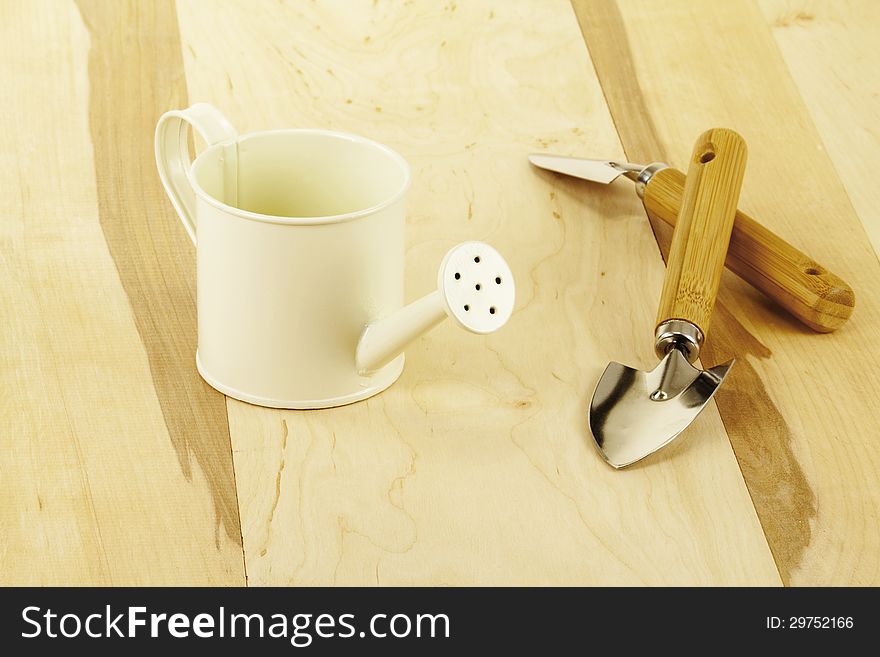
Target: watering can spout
x=475 y=288
x=385 y=339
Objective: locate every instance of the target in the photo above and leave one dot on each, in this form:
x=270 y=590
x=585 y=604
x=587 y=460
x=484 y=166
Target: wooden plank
x=795 y=409
x=831 y=51
x=94 y=489
x=477 y=466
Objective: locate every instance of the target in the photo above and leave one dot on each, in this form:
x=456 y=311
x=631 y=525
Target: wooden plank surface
x=830 y=49
x=477 y=466
x=118 y=465
x=797 y=407
x=95 y=487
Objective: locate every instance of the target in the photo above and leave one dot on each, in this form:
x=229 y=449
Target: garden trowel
x=635 y=413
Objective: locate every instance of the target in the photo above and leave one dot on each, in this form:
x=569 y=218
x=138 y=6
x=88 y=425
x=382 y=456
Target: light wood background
x=118 y=465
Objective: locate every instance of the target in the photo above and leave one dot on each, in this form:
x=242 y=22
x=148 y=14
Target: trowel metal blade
x=635 y=413
x=600 y=171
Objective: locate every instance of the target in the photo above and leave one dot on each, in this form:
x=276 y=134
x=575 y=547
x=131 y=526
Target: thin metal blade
x=634 y=413
x=600 y=171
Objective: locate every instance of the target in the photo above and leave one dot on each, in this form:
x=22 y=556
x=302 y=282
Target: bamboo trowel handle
x=702 y=231
x=806 y=289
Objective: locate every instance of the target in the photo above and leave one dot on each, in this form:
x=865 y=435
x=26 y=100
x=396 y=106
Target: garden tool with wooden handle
x=634 y=413
x=809 y=291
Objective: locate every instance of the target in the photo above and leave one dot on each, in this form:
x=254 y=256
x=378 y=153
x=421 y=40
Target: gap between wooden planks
x=477 y=466
x=795 y=407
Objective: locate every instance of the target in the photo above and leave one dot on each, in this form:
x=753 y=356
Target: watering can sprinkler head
x=474 y=286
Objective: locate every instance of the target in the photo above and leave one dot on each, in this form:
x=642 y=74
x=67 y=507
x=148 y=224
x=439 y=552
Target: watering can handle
x=172 y=154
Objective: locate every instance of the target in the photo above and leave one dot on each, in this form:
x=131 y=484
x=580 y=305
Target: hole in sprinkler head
x=812 y=271
x=477 y=259
x=497 y=280
x=457 y=275
x=467 y=307
x=477 y=286
x=492 y=310
x=708 y=156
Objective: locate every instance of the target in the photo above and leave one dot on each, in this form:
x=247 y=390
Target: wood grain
x=702 y=228
x=794 y=407
x=93 y=491
x=477 y=466
x=809 y=291
x=136 y=54
x=830 y=49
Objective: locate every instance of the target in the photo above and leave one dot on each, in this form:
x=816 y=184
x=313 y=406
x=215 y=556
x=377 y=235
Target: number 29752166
x=810 y=623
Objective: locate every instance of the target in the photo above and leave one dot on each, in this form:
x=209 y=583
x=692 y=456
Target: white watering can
x=300 y=262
